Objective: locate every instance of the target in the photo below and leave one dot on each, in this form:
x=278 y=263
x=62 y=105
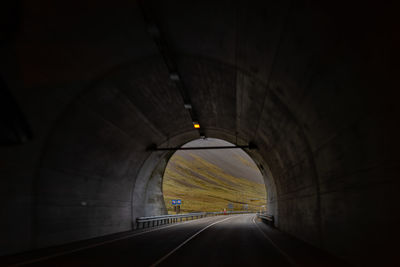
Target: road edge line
x=187 y=240
x=97 y=244
x=287 y=257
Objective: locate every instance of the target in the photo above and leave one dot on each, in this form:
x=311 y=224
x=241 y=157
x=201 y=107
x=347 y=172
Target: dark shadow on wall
x=14 y=128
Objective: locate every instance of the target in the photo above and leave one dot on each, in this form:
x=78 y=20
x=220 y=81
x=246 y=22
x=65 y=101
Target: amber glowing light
x=196 y=125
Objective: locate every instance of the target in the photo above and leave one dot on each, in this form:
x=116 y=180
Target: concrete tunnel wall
x=309 y=84
x=105 y=136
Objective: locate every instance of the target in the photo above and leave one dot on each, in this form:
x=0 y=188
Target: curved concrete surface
x=312 y=84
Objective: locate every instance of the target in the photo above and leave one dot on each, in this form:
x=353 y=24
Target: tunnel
x=93 y=90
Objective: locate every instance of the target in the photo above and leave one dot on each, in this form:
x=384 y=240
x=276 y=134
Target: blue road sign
x=174 y=202
x=178 y=202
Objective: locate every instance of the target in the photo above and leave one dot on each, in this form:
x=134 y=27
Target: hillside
x=207 y=180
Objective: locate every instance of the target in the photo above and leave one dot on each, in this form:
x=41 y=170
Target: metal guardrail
x=268 y=218
x=151 y=221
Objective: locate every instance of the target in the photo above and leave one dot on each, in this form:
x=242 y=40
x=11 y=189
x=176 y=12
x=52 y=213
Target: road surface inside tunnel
x=235 y=240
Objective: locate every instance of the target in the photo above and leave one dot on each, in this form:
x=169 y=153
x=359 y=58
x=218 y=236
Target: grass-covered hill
x=207 y=180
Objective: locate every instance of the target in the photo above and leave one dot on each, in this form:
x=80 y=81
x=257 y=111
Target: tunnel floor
x=236 y=240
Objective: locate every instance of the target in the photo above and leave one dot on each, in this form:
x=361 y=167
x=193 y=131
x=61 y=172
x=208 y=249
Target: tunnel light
x=188 y=106
x=174 y=76
x=196 y=125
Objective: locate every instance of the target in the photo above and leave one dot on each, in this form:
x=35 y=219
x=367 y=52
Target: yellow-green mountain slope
x=208 y=180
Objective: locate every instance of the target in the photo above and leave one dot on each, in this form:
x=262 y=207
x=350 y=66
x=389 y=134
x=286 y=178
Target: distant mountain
x=208 y=180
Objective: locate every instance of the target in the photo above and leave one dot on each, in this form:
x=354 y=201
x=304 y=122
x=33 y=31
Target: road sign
x=178 y=202
x=174 y=202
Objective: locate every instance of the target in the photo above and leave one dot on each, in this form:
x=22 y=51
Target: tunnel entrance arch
x=148 y=198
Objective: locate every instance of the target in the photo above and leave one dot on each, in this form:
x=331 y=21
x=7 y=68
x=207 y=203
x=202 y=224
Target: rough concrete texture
x=310 y=83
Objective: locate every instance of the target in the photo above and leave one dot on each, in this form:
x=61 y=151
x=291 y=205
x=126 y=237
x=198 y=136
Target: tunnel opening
x=148 y=197
x=202 y=180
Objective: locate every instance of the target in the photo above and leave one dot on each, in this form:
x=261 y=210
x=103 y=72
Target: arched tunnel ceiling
x=299 y=79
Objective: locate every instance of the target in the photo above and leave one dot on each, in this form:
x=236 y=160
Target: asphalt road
x=236 y=240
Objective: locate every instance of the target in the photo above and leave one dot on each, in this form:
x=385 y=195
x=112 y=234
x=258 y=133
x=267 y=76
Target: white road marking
x=187 y=240
x=287 y=257
x=98 y=244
